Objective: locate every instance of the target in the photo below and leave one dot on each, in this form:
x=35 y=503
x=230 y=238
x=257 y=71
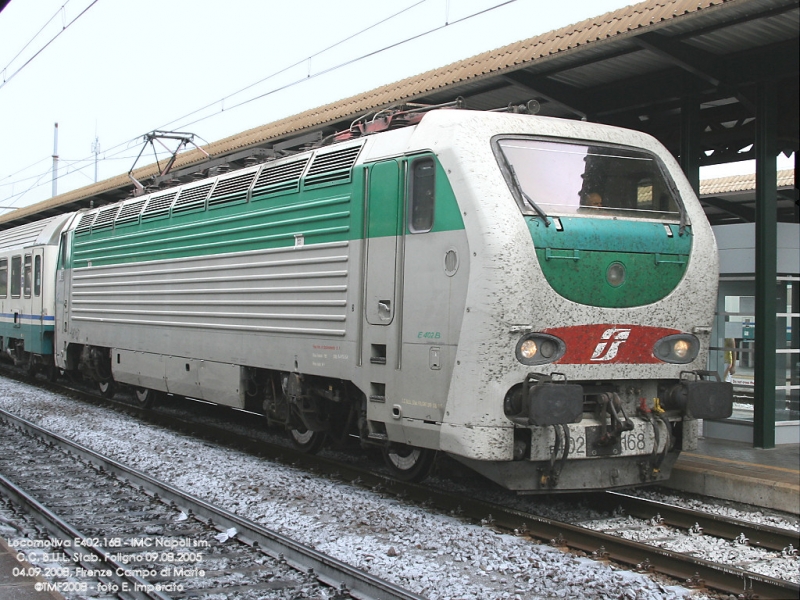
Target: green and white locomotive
x=531 y=296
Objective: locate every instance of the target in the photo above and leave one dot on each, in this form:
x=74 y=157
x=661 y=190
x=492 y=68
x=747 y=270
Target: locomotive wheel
x=145 y=397
x=307 y=441
x=107 y=388
x=408 y=463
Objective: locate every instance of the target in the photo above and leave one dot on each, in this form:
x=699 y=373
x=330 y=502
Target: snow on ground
x=432 y=554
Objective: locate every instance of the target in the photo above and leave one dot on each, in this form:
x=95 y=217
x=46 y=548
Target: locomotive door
x=381 y=322
x=383 y=208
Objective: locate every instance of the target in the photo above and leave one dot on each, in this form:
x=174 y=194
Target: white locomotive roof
x=44 y=232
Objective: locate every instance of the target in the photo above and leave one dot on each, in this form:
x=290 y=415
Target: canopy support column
x=766 y=264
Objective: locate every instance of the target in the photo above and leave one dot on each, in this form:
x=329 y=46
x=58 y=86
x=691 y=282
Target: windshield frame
x=529 y=208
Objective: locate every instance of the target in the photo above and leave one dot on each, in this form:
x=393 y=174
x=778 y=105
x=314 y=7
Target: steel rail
x=328 y=570
x=60 y=529
x=763 y=536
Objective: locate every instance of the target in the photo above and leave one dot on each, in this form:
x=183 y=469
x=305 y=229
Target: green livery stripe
x=575 y=259
x=447 y=215
x=323 y=214
x=236 y=228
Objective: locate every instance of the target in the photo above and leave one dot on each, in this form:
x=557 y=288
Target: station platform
x=768 y=478
x=16 y=583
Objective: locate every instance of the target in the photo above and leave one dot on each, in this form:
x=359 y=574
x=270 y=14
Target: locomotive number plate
x=629 y=443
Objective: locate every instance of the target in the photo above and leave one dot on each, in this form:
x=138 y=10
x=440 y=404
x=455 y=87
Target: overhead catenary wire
x=296 y=64
x=123 y=146
x=127 y=143
x=340 y=65
x=50 y=41
x=16 y=56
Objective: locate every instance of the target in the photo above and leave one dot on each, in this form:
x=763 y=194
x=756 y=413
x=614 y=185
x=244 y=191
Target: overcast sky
x=116 y=69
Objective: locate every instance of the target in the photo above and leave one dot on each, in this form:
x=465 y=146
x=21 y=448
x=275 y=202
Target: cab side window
x=422 y=194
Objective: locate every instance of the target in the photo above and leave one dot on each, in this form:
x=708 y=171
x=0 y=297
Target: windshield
x=573 y=178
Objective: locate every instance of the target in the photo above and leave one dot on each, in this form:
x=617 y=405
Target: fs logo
x=607 y=349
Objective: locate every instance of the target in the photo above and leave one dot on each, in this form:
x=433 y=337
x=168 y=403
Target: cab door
x=383 y=217
x=380 y=350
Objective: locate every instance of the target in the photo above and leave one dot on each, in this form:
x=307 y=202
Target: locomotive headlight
x=680 y=348
x=528 y=349
x=539 y=348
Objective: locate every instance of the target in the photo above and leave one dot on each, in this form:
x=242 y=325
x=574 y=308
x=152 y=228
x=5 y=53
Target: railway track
x=103 y=528
x=693 y=571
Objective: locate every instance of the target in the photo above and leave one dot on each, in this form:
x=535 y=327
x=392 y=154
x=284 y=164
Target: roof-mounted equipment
x=183 y=139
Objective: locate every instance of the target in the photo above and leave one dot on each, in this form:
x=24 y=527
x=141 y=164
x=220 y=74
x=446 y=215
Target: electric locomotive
x=531 y=296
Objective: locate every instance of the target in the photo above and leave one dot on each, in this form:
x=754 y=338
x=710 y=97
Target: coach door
x=62 y=294
x=34 y=295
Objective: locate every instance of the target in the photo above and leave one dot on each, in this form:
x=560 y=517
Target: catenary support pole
x=55 y=161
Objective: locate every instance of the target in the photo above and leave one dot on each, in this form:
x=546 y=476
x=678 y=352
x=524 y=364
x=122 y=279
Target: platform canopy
x=685 y=71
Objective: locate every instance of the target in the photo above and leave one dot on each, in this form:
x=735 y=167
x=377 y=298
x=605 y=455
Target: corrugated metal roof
x=598 y=73
x=741 y=183
x=750 y=34
x=592 y=36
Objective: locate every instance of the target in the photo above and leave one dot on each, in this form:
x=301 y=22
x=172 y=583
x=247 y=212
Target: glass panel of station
x=735 y=335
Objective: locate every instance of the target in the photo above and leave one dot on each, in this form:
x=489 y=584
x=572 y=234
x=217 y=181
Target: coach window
x=3 y=277
x=27 y=276
x=16 y=275
x=422 y=194
x=37 y=275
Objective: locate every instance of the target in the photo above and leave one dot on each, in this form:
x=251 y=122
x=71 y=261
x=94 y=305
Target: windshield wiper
x=528 y=199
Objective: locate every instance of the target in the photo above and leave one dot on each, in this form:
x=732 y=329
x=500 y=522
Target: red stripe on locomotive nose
x=609 y=344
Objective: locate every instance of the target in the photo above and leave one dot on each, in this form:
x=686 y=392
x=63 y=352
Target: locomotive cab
x=610 y=282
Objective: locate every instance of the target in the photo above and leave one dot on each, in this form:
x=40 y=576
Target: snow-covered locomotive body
x=437 y=287
x=591 y=322
x=28 y=256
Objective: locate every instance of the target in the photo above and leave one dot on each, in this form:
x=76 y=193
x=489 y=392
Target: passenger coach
x=27 y=305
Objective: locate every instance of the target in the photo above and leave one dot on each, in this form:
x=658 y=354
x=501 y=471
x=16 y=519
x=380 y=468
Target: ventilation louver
x=280 y=177
x=158 y=205
x=105 y=217
x=231 y=189
x=333 y=166
x=130 y=212
x=192 y=197
x=85 y=224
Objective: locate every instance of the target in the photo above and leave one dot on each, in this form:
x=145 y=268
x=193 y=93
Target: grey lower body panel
x=535 y=477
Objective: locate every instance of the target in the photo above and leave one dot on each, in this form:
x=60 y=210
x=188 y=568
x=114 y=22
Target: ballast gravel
x=432 y=554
